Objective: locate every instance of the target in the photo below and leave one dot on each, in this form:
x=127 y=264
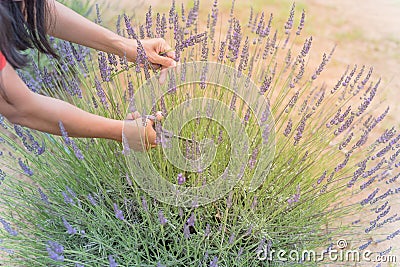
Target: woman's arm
x=21 y=106
x=68 y=25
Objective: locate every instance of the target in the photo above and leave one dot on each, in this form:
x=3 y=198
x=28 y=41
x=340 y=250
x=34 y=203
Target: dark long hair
x=22 y=26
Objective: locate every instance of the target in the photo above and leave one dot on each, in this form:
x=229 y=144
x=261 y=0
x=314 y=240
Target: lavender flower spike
x=214 y=262
x=25 y=168
x=71 y=230
x=112 y=261
x=181 y=179
x=161 y=218
x=118 y=212
x=55 y=251
x=8 y=228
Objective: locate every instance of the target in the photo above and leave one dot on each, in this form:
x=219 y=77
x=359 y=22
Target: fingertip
x=159 y=115
x=136 y=115
x=171 y=54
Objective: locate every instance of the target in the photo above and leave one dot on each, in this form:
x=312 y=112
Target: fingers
x=136 y=115
x=164 y=61
x=171 y=52
x=133 y=116
x=159 y=115
x=150 y=131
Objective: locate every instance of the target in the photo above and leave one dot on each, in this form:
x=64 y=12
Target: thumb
x=136 y=115
x=133 y=116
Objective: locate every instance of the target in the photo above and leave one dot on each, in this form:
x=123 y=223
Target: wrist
x=113 y=130
x=128 y=48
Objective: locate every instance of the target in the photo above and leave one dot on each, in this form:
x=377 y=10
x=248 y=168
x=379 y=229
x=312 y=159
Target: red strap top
x=2 y=61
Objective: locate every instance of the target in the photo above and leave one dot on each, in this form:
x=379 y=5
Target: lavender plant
x=84 y=203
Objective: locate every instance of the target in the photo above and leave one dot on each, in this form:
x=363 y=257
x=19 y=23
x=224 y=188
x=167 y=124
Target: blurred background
x=366 y=32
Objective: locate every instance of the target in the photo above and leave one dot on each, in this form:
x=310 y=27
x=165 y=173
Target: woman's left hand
x=153 y=48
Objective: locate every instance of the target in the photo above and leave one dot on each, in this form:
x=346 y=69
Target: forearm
x=68 y=25
x=22 y=106
x=45 y=113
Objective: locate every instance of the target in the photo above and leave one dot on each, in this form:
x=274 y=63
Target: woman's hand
x=65 y=22
x=139 y=133
x=153 y=48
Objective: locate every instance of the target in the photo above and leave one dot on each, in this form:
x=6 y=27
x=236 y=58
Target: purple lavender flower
x=220 y=139
x=301 y=25
x=186 y=231
x=112 y=261
x=112 y=61
x=118 y=213
x=172 y=12
x=234 y=41
x=98 y=19
x=265 y=134
x=266 y=84
x=2 y=173
x=92 y=200
x=129 y=27
x=296 y=197
x=100 y=92
x=203 y=77
x=8 y=228
x=221 y=51
x=181 y=179
x=144 y=204
x=70 y=229
x=214 y=18
x=25 y=168
x=163 y=29
x=161 y=218
x=141 y=31
x=214 y=262
x=158 y=25
x=43 y=196
x=233 y=102
x=172 y=84
x=128 y=180
x=306 y=47
x=231 y=239
x=193 y=40
x=55 y=250
x=253 y=158
x=149 y=23
x=77 y=151
x=288 y=128
x=207 y=231
x=105 y=70
x=289 y=22
x=244 y=57
x=191 y=221
x=67 y=198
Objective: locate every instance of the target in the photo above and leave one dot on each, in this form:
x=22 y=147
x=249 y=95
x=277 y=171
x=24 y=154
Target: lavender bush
x=333 y=176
